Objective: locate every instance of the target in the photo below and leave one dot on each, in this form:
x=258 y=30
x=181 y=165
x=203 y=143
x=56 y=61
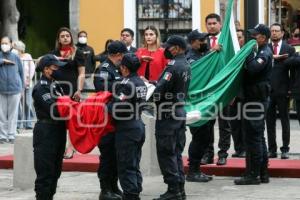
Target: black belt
x=49 y=121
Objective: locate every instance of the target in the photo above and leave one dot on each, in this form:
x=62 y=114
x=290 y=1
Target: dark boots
x=106 y=191
x=115 y=187
x=130 y=197
x=251 y=175
x=194 y=174
x=264 y=174
x=182 y=191
x=173 y=193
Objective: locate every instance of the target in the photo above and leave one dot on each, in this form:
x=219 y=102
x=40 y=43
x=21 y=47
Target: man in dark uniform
x=130 y=130
x=198 y=46
x=49 y=134
x=200 y=135
x=169 y=97
x=256 y=88
x=105 y=77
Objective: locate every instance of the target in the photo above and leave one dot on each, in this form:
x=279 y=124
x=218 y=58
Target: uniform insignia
x=167 y=76
x=171 y=62
x=117 y=77
x=86 y=52
x=46 y=96
x=141 y=91
x=105 y=65
x=104 y=75
x=122 y=97
x=191 y=60
x=44 y=82
x=124 y=81
x=262 y=52
x=260 y=61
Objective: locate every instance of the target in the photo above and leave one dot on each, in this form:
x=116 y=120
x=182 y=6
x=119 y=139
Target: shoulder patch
x=171 y=62
x=125 y=81
x=105 y=65
x=167 y=76
x=43 y=82
x=104 y=75
x=191 y=60
x=262 y=52
x=46 y=96
x=260 y=61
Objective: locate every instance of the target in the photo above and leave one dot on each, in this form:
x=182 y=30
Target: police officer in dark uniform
x=105 y=77
x=130 y=130
x=256 y=88
x=49 y=134
x=198 y=46
x=169 y=97
x=200 y=135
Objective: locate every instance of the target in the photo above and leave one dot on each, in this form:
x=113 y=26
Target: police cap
x=131 y=61
x=260 y=29
x=116 y=47
x=47 y=60
x=196 y=35
x=176 y=40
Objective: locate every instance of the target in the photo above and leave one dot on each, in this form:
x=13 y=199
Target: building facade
x=104 y=19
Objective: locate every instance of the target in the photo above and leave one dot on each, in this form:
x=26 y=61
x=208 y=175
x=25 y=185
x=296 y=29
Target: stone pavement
x=85 y=186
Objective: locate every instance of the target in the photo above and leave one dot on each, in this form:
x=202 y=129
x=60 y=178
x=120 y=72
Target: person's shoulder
x=27 y=56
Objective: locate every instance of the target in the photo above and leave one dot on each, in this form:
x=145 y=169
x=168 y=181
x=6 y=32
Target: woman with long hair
x=72 y=75
x=151 y=55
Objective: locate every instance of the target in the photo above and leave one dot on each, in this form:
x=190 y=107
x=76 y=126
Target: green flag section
x=209 y=98
x=212 y=63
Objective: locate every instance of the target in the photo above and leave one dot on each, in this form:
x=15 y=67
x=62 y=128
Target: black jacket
x=294 y=63
x=280 y=77
x=89 y=56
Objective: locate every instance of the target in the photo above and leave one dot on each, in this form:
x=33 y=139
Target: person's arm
x=255 y=64
x=164 y=84
x=80 y=62
x=21 y=71
x=102 y=79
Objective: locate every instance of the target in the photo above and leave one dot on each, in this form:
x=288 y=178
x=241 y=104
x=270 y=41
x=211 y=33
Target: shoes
x=207 y=160
x=2 y=141
x=222 y=161
x=241 y=154
x=182 y=191
x=198 y=177
x=247 y=180
x=69 y=155
x=272 y=154
x=11 y=141
x=284 y=155
x=170 y=195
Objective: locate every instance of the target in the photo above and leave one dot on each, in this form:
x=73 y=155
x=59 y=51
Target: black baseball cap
x=47 y=60
x=131 y=61
x=176 y=40
x=260 y=29
x=195 y=34
x=116 y=47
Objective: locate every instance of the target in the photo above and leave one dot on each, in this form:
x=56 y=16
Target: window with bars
x=169 y=16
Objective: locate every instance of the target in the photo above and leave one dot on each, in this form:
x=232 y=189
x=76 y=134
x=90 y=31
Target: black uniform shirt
x=193 y=55
x=173 y=84
x=44 y=94
x=105 y=75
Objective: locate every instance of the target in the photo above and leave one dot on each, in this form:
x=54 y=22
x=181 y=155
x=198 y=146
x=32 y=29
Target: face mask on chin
x=203 y=47
x=5 y=48
x=15 y=51
x=168 y=54
x=82 y=40
x=56 y=74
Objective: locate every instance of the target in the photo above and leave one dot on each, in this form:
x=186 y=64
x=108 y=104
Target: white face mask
x=82 y=40
x=5 y=47
x=15 y=51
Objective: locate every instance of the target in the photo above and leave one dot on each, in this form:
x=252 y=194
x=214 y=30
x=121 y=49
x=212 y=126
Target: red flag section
x=87 y=121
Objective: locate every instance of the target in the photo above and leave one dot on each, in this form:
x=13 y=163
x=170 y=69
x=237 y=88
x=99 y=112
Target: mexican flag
x=216 y=78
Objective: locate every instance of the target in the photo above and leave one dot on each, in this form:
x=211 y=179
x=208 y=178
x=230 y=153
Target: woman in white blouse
x=26 y=109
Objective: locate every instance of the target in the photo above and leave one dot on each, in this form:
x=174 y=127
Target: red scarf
x=66 y=51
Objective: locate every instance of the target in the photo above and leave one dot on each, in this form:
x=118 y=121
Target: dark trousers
x=256 y=148
x=298 y=108
x=236 y=125
x=224 y=135
x=49 y=141
x=107 y=170
x=199 y=143
x=129 y=152
x=170 y=144
x=282 y=105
